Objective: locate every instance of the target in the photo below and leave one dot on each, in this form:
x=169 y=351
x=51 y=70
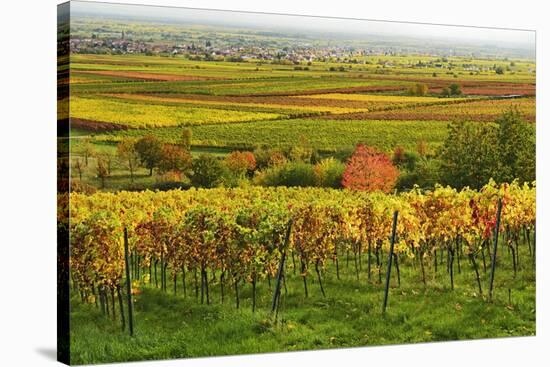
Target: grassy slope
x=171 y=326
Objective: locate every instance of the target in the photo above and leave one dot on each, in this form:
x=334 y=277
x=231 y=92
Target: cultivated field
x=247 y=104
x=237 y=191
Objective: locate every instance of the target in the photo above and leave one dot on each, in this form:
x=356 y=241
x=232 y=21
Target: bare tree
x=87 y=150
x=78 y=166
x=128 y=155
x=102 y=171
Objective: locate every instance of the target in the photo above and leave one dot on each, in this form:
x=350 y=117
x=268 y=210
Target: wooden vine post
x=390 y=258
x=280 y=271
x=495 y=243
x=128 y=284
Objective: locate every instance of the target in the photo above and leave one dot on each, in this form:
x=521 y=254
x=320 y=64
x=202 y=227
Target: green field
x=326 y=135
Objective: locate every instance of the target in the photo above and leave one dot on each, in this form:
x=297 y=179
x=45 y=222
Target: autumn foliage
x=240 y=162
x=174 y=158
x=369 y=170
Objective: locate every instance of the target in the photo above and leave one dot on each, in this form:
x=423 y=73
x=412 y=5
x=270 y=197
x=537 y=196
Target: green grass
x=174 y=326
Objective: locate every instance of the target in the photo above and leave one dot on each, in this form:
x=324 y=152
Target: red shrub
x=370 y=170
x=240 y=162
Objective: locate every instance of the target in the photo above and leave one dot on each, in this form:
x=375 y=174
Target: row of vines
x=238 y=236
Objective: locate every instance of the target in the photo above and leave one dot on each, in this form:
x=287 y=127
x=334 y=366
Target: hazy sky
x=524 y=39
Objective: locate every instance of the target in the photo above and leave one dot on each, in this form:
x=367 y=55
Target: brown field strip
x=471 y=87
x=95 y=125
x=494 y=91
x=361 y=89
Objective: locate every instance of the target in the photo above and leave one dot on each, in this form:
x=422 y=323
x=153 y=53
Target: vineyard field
x=481 y=111
x=327 y=135
x=273 y=186
x=149 y=115
x=341 y=277
x=288 y=105
x=255 y=86
x=231 y=105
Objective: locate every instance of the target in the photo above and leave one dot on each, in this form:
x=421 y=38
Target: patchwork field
x=333 y=106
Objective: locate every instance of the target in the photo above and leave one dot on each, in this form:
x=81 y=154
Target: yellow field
x=150 y=115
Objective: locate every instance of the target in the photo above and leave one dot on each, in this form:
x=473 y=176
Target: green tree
x=292 y=174
x=455 y=90
x=328 y=173
x=297 y=174
x=469 y=154
x=186 y=135
x=149 y=149
x=419 y=89
x=516 y=147
x=473 y=153
x=423 y=172
x=207 y=171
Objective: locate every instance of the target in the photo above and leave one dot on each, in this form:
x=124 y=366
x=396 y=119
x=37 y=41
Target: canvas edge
x=63 y=183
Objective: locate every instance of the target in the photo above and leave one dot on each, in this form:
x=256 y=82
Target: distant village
x=207 y=51
x=231 y=51
x=238 y=50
